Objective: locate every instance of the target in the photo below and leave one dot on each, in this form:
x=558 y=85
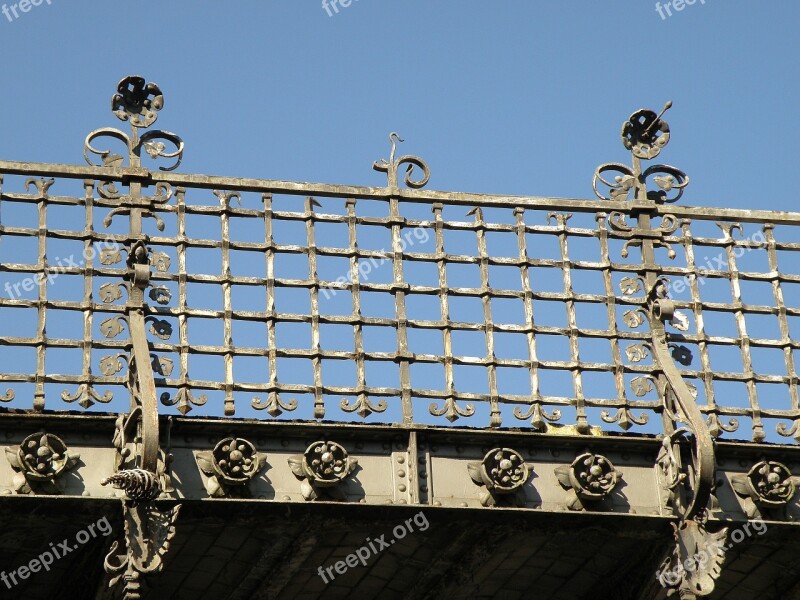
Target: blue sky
x=506 y=97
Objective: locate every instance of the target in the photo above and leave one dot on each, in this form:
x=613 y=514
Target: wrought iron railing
x=274 y=299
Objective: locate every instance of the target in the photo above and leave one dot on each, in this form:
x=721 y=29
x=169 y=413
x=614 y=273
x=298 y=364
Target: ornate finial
x=645 y=134
x=390 y=167
x=137 y=102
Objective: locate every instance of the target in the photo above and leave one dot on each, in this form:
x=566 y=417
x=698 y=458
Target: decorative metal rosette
x=590 y=477
x=326 y=463
x=236 y=460
x=232 y=462
x=593 y=475
x=504 y=470
x=137 y=101
x=43 y=456
x=768 y=485
x=646 y=133
x=40 y=459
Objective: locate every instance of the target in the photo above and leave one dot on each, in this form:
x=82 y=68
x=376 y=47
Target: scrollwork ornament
x=589 y=479
x=274 y=405
x=230 y=466
x=696 y=562
x=501 y=474
x=40 y=462
x=391 y=166
x=322 y=468
x=450 y=410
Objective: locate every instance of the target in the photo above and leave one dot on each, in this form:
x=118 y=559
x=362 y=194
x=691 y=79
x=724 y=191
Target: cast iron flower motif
x=502 y=471
x=590 y=477
x=324 y=464
x=768 y=485
x=137 y=101
x=39 y=460
x=232 y=462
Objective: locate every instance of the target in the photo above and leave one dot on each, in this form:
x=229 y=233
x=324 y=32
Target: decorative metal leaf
x=110 y=292
x=630 y=285
x=636 y=352
x=161 y=295
x=112 y=327
x=110 y=256
x=632 y=318
x=154 y=149
x=682 y=354
x=111 y=365
x=666 y=183
x=160 y=261
x=680 y=321
x=693 y=389
x=162 y=329
x=163 y=365
x=641 y=386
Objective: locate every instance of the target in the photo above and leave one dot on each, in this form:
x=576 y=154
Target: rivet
x=437 y=503
x=359 y=445
x=262 y=497
x=434 y=448
x=261 y=441
x=188 y=439
x=402 y=487
x=422 y=460
x=423 y=473
x=402 y=501
x=464 y=504
x=460 y=449
x=362 y=500
x=401 y=473
x=286 y=499
x=401 y=459
x=284 y=443
x=424 y=488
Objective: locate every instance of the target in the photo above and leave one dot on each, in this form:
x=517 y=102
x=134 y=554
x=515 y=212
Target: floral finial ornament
x=137 y=101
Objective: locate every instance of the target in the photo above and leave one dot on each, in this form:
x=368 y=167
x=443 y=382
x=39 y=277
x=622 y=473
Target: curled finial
x=391 y=166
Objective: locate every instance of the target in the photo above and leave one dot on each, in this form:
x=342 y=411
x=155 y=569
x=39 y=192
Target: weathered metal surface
x=521 y=312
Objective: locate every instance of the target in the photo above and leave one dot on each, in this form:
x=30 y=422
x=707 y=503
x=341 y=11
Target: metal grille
x=285 y=300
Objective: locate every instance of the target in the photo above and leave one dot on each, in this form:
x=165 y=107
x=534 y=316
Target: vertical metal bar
x=316 y=360
x=225 y=199
x=400 y=288
x=780 y=304
x=697 y=309
x=355 y=289
x=88 y=255
x=183 y=325
x=488 y=326
x=744 y=340
x=533 y=369
x=611 y=311
x=581 y=422
x=41 y=321
x=269 y=257
x=447 y=332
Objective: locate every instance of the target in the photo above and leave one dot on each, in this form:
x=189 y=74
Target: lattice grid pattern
x=314 y=304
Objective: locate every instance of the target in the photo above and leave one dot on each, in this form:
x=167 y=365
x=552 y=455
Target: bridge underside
x=411 y=486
